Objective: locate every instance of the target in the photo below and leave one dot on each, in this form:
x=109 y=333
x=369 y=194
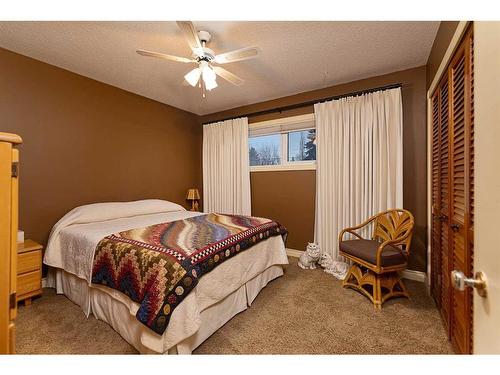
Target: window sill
x=286 y=167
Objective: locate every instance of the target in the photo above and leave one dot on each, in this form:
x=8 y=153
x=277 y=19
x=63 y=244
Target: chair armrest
x=395 y=241
x=351 y=230
x=364 y=223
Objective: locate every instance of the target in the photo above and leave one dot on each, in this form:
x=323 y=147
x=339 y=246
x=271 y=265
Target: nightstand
x=29 y=271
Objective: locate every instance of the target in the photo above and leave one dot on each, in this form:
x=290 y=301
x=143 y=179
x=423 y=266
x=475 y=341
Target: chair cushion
x=367 y=250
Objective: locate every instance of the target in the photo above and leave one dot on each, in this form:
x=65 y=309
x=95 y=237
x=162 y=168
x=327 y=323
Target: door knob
x=459 y=282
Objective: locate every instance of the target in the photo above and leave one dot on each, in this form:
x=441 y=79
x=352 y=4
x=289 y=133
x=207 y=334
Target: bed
x=218 y=295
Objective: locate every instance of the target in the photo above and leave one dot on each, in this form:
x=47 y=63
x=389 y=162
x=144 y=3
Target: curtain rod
x=312 y=102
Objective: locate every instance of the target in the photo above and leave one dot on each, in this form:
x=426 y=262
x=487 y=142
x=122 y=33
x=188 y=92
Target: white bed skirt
x=118 y=310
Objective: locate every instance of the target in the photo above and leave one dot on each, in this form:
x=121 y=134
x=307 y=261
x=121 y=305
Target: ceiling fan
x=205 y=74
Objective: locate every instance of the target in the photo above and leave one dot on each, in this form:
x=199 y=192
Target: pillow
x=99 y=212
x=115 y=210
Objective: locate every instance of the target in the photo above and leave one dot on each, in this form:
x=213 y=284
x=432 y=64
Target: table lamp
x=194 y=196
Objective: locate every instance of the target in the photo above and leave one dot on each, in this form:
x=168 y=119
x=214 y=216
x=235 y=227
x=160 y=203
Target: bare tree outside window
x=266 y=149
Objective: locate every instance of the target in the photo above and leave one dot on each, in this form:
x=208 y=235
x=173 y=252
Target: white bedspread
x=74 y=238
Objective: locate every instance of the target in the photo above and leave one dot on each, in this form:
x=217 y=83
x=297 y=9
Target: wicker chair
x=377 y=262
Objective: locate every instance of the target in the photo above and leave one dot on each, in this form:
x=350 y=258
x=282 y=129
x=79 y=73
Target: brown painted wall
x=290 y=196
x=287 y=196
x=441 y=43
x=85 y=141
x=75 y=128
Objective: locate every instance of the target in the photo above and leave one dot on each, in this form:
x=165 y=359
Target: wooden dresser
x=29 y=271
x=9 y=172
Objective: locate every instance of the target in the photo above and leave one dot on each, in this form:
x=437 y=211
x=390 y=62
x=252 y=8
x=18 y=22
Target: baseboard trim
x=414 y=275
x=294 y=253
x=407 y=274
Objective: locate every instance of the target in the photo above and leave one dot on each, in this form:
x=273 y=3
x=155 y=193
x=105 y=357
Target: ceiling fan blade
x=164 y=56
x=191 y=35
x=228 y=76
x=238 y=55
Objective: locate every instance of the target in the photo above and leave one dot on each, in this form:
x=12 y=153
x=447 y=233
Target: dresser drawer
x=30 y=261
x=29 y=282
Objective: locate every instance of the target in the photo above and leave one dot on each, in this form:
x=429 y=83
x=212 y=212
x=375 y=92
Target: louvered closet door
x=470 y=54
x=460 y=140
x=453 y=192
x=436 y=200
x=444 y=206
x=440 y=201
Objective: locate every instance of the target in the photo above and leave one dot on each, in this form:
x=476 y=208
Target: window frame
x=286 y=125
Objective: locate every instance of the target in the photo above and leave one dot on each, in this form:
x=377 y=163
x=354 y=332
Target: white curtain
x=226 y=169
x=359 y=151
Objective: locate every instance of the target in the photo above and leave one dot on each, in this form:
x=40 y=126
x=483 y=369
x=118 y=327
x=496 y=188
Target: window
x=302 y=145
x=283 y=144
x=265 y=150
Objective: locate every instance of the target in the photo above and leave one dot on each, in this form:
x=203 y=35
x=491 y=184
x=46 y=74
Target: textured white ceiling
x=296 y=56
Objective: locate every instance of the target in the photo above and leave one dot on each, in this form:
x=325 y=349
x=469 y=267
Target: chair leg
x=394 y=285
x=353 y=272
x=377 y=292
x=358 y=279
x=381 y=286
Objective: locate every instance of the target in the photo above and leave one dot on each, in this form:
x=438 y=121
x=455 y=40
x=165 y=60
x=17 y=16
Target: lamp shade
x=193 y=76
x=193 y=194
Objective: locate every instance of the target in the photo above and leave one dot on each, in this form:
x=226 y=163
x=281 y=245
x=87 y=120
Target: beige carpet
x=301 y=312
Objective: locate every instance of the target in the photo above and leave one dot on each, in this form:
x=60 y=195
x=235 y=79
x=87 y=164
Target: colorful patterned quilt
x=157 y=266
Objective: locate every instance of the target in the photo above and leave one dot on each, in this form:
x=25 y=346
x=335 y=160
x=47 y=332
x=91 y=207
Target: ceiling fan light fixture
x=210 y=84
x=207 y=73
x=193 y=76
